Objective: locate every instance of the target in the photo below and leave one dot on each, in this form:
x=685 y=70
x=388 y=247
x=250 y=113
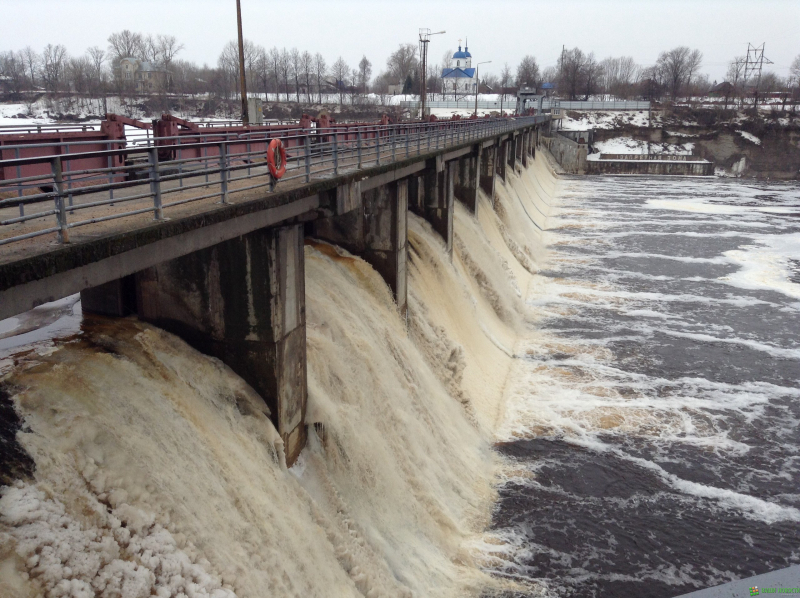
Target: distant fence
x=511 y=104
x=672 y=157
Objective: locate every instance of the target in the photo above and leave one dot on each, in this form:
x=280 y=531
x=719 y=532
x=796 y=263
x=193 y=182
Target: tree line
x=294 y=75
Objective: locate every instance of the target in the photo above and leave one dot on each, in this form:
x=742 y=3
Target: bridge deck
x=41 y=269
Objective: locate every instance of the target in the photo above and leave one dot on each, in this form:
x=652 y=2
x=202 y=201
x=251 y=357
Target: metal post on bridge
x=155 y=182
x=223 y=171
x=335 y=154
x=58 y=188
x=378 y=145
x=358 y=142
x=307 y=144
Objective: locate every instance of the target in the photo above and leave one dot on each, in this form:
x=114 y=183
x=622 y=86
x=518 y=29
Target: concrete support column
x=511 y=151
x=526 y=135
x=465 y=185
x=438 y=181
x=242 y=301
x=502 y=159
x=487 y=170
x=116 y=298
x=376 y=232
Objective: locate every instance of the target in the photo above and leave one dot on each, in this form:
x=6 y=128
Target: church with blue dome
x=460 y=79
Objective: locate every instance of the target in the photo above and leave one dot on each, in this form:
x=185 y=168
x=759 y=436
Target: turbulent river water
x=654 y=437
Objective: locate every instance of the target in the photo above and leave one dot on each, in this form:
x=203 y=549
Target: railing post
x=394 y=158
x=335 y=154
x=223 y=171
x=155 y=182
x=61 y=211
x=358 y=140
x=307 y=144
x=378 y=145
x=408 y=133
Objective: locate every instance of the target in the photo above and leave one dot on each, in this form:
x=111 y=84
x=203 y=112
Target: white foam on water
x=766 y=265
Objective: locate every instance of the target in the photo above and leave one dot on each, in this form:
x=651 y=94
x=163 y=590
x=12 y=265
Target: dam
x=539 y=385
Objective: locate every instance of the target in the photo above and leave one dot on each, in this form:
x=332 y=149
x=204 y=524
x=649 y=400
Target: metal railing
x=82 y=183
x=511 y=103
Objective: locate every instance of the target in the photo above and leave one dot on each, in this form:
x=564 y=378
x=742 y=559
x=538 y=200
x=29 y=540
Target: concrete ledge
x=782 y=582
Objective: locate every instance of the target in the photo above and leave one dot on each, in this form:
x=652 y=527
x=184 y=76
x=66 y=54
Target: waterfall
x=156 y=470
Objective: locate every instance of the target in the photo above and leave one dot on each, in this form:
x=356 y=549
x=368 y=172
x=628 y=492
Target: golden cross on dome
x=459 y=42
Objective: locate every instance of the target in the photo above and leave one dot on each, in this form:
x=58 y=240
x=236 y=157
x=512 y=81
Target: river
x=652 y=443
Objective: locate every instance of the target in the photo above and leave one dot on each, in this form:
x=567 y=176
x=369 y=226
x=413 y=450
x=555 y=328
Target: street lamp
x=424 y=39
x=478 y=83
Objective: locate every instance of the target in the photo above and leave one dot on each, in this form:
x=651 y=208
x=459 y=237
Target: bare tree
x=677 y=67
x=228 y=65
x=340 y=72
x=735 y=77
x=296 y=70
x=571 y=67
x=80 y=74
x=168 y=48
x=620 y=76
x=592 y=75
x=263 y=73
x=285 y=67
x=32 y=63
x=12 y=68
x=505 y=79
x=402 y=62
x=54 y=61
x=364 y=74
x=794 y=79
x=320 y=71
x=125 y=44
x=149 y=49
x=794 y=70
x=528 y=72
x=275 y=66
x=307 y=66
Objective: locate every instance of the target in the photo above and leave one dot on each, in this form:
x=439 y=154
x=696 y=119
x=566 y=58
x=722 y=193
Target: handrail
x=102 y=183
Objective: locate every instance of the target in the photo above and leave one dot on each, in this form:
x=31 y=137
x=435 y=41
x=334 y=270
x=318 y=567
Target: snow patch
x=750 y=137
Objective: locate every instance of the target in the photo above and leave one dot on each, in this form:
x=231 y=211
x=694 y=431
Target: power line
x=754 y=64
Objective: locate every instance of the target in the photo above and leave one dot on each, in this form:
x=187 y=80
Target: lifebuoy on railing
x=276 y=169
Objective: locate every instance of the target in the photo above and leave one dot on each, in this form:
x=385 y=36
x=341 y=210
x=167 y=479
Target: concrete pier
x=502 y=159
x=465 y=182
x=488 y=170
x=242 y=301
x=375 y=229
x=512 y=151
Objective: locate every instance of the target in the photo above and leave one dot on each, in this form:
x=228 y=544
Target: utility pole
x=478 y=83
x=242 y=73
x=753 y=65
x=424 y=40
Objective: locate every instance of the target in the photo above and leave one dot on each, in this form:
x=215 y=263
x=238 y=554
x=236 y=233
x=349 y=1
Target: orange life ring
x=279 y=169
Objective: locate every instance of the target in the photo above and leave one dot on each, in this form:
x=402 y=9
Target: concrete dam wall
x=148 y=467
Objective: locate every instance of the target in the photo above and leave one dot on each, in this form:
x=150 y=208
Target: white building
x=460 y=80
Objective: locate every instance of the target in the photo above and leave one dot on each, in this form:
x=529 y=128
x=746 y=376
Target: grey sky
x=498 y=30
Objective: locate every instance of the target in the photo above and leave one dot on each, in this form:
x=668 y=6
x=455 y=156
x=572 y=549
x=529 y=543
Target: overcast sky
x=498 y=30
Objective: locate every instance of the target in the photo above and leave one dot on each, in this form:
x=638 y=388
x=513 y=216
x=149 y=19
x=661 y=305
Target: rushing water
x=653 y=444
